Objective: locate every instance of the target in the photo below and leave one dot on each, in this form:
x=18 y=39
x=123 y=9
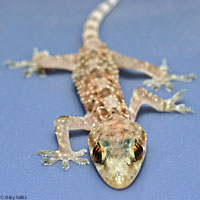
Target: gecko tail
x=91 y=27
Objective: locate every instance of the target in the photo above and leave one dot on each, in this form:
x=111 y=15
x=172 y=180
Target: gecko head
x=117 y=148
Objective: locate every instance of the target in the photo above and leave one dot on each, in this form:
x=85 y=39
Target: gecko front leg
x=41 y=62
x=142 y=96
x=62 y=126
x=159 y=75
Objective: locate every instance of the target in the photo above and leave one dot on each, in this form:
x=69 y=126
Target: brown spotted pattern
x=117 y=143
x=96 y=78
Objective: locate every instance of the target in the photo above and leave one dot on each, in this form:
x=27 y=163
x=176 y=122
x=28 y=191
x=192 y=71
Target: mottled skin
x=96 y=79
x=117 y=136
x=117 y=143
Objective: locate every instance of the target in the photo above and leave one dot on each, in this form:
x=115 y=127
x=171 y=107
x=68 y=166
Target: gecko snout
x=117 y=148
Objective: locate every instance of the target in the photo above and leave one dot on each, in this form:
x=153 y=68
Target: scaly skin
x=96 y=78
x=117 y=143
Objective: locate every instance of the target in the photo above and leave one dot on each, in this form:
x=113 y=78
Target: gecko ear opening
x=99 y=155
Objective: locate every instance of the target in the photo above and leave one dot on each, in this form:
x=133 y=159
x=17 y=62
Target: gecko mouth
x=118 y=171
x=119 y=181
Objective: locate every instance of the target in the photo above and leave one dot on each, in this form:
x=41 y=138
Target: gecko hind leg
x=65 y=153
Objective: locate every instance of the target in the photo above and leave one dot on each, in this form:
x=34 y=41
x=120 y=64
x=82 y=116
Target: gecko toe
x=81 y=161
x=47 y=153
x=81 y=152
x=49 y=161
x=183 y=109
x=51 y=157
x=169 y=87
x=65 y=164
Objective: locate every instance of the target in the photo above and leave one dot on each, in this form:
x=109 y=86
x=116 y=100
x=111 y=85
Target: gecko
x=117 y=143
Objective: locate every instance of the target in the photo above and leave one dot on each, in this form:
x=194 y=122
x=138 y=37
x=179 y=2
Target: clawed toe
x=65 y=164
x=49 y=161
x=169 y=87
x=177 y=96
x=65 y=157
x=47 y=153
x=190 y=77
x=154 y=84
x=81 y=161
x=186 y=78
x=164 y=65
x=181 y=108
x=81 y=152
x=13 y=64
x=32 y=64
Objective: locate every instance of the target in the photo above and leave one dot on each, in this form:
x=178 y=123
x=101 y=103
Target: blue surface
x=147 y=30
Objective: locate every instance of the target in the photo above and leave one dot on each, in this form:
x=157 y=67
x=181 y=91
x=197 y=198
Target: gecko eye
x=99 y=155
x=136 y=151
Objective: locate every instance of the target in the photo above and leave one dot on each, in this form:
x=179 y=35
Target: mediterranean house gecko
x=117 y=143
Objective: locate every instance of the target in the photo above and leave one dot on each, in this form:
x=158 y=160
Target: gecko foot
x=172 y=107
x=32 y=64
x=156 y=83
x=65 y=157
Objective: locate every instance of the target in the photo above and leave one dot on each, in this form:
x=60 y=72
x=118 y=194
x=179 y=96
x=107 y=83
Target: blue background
x=148 y=30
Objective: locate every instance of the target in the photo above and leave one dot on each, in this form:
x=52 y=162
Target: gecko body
x=117 y=143
x=113 y=136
